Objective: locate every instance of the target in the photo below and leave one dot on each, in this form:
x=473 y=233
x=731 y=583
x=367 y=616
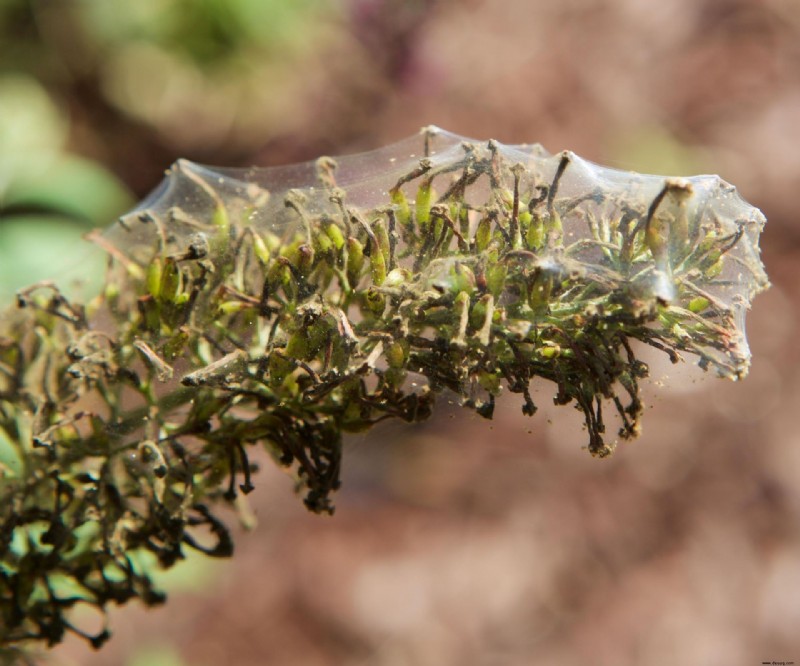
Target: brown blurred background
x=457 y=541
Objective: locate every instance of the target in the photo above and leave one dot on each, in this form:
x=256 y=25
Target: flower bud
x=355 y=261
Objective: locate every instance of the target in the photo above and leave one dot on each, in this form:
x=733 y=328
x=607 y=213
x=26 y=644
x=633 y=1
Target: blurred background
x=458 y=541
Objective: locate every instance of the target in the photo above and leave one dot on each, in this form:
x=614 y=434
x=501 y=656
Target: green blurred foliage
x=98 y=97
x=48 y=195
x=230 y=67
x=37 y=168
x=193 y=75
x=207 y=31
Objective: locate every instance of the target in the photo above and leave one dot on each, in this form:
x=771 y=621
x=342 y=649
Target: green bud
x=402 y=209
x=305 y=259
x=335 y=234
x=397 y=354
x=154 y=274
x=477 y=314
x=534 y=237
x=554 y=228
x=171 y=284
x=355 y=261
x=483 y=234
x=220 y=219
x=539 y=293
x=279 y=277
x=232 y=307
x=423 y=205
x=496 y=279
x=524 y=222
x=698 y=304
x=712 y=264
x=260 y=249
x=463 y=279
x=549 y=350
x=377 y=264
x=714 y=270
x=655 y=237
x=382 y=236
x=323 y=243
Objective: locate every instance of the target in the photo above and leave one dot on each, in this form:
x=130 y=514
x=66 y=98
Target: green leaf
x=72 y=186
x=45 y=247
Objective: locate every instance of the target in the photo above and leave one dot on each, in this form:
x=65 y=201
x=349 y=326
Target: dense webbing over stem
x=287 y=307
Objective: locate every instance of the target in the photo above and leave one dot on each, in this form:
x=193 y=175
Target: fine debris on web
x=288 y=306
